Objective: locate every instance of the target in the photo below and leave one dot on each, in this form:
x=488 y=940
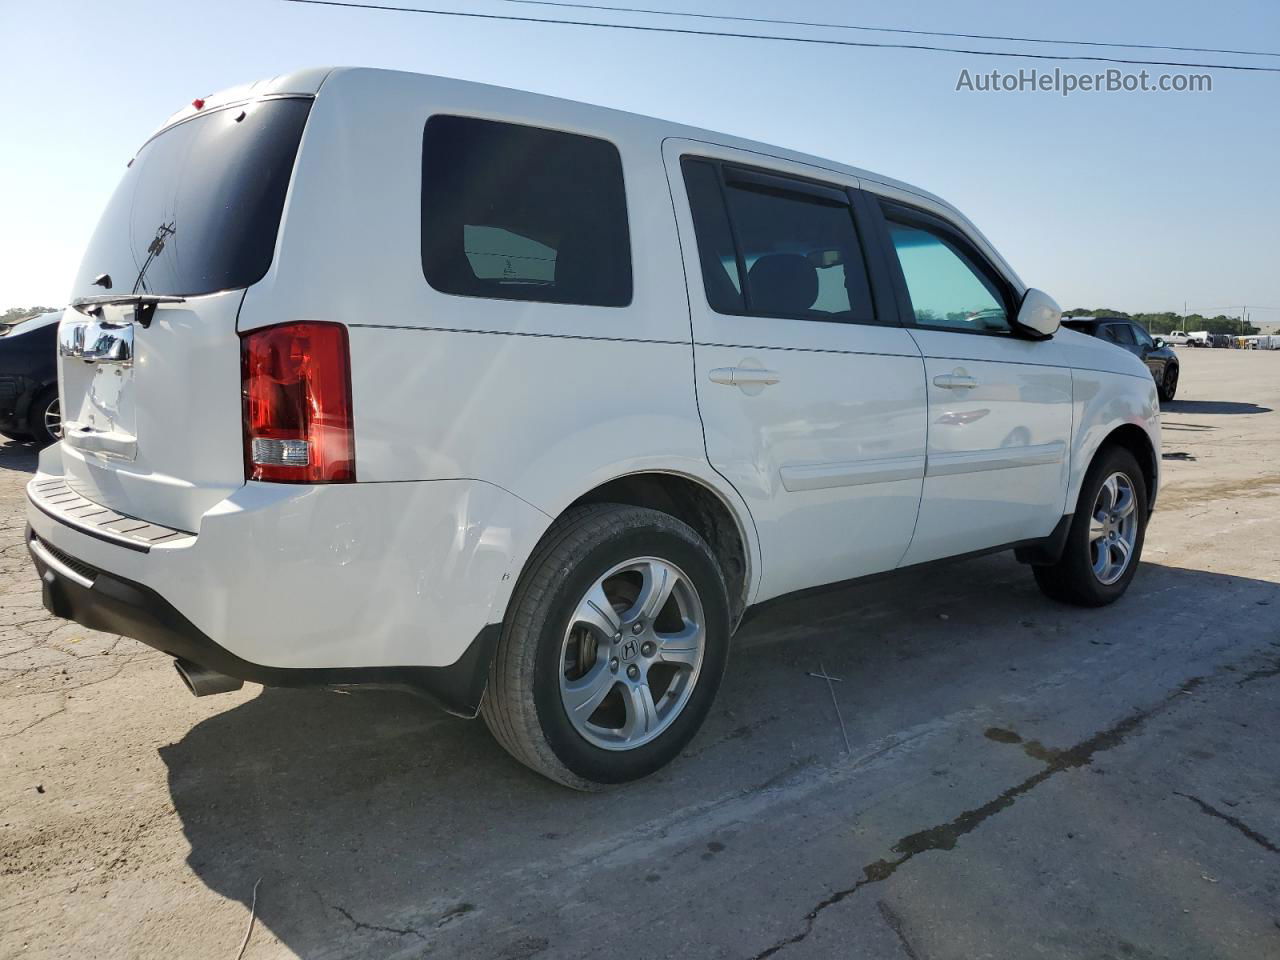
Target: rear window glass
x=521 y=213
x=198 y=209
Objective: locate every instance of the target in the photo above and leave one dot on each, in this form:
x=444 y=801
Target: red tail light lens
x=297 y=404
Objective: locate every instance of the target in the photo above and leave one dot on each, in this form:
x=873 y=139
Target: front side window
x=948 y=291
x=1144 y=338
x=520 y=213
x=770 y=251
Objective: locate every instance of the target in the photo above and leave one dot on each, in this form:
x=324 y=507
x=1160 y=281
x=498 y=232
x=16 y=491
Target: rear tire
x=1168 y=385
x=45 y=417
x=622 y=612
x=1110 y=524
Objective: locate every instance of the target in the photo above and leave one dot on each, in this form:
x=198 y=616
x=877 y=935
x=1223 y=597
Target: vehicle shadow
x=374 y=817
x=19 y=456
x=1211 y=407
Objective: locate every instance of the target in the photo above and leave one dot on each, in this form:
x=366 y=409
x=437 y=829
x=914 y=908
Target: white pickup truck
x=1176 y=339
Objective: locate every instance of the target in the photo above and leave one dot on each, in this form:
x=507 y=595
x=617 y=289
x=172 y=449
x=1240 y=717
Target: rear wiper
x=144 y=304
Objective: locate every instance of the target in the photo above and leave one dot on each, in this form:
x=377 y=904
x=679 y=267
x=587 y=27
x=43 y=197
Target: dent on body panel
x=379 y=574
x=1027 y=407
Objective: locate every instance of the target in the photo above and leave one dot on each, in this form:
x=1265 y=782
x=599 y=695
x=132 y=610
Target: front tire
x=613 y=647
x=1168 y=385
x=1105 y=541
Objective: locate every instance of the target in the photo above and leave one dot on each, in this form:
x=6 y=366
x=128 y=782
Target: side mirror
x=1160 y=341
x=1039 y=316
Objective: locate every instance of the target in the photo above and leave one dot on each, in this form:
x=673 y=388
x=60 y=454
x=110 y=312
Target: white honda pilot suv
x=384 y=379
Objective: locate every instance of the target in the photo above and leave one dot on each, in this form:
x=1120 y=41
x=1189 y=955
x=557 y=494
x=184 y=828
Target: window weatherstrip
x=738 y=256
x=755 y=179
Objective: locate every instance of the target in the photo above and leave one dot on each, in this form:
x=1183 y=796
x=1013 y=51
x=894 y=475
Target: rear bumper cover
x=114 y=604
x=285 y=585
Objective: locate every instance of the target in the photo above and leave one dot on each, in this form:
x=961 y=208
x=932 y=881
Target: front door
x=999 y=405
x=1137 y=341
x=812 y=396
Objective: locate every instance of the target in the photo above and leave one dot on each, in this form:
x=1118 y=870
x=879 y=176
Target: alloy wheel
x=631 y=654
x=1113 y=529
x=53 y=419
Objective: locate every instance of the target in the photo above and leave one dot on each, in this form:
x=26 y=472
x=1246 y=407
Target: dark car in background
x=29 y=407
x=1159 y=357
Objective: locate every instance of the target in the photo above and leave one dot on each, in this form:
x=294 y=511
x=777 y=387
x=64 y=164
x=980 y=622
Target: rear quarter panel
x=543 y=400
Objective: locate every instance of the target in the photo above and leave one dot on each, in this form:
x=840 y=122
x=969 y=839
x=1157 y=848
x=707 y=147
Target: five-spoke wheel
x=613 y=648
x=631 y=653
x=1113 y=529
x=1104 y=541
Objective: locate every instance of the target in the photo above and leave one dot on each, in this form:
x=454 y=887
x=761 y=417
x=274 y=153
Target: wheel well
x=1135 y=440
x=699 y=507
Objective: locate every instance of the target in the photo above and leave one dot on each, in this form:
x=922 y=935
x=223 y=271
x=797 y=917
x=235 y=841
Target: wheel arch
x=702 y=507
x=1136 y=440
x=715 y=515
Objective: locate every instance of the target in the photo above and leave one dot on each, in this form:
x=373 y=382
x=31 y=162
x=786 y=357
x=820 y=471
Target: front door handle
x=955 y=381
x=744 y=376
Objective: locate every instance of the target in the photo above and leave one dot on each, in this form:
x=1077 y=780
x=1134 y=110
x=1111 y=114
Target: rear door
x=999 y=405
x=811 y=395
x=150 y=379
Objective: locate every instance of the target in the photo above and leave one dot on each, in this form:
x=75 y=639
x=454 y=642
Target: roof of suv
x=307 y=82
x=1089 y=323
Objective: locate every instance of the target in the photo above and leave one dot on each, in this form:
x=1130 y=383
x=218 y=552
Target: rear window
x=520 y=213
x=199 y=207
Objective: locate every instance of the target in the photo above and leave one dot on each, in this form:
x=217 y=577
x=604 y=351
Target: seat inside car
x=784 y=283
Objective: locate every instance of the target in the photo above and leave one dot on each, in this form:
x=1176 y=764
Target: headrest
x=782 y=283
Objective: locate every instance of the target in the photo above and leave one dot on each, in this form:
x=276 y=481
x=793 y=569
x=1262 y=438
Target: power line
x=919 y=33
x=822 y=41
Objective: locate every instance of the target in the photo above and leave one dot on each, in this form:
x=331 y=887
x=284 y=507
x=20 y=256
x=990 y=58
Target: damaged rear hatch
x=149 y=356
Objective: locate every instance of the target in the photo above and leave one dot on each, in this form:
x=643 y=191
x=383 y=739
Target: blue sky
x=1135 y=201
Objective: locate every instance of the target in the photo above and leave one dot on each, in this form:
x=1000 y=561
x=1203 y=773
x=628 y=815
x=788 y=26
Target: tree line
x=14 y=314
x=1168 y=322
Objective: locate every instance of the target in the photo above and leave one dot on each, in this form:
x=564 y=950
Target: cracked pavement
x=1023 y=779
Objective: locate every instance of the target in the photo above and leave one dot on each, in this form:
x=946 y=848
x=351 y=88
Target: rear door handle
x=743 y=376
x=955 y=381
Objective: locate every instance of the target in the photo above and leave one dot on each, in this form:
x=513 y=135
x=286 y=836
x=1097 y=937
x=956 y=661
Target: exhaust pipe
x=204 y=682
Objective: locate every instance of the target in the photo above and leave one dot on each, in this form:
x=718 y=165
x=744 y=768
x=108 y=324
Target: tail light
x=296 y=385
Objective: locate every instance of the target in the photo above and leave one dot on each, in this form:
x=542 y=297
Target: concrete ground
x=1021 y=779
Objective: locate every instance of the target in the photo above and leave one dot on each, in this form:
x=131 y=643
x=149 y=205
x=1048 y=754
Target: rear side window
x=1120 y=333
x=774 y=247
x=199 y=207
x=520 y=213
